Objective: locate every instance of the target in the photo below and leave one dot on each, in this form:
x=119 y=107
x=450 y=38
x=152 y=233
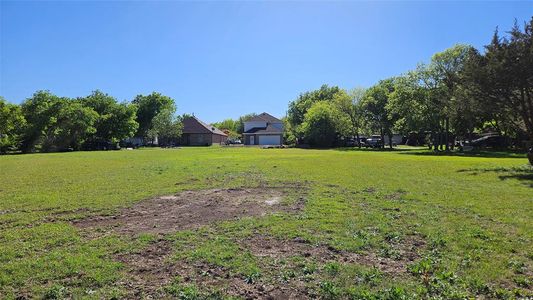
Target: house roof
x=194 y=125
x=268 y=129
x=265 y=117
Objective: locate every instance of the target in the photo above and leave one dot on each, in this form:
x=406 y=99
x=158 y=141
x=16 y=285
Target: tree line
x=459 y=93
x=46 y=122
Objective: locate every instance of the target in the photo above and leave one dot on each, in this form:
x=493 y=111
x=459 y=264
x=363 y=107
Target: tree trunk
x=446 y=135
x=358 y=141
x=441 y=134
x=436 y=141
x=382 y=146
x=452 y=142
x=390 y=140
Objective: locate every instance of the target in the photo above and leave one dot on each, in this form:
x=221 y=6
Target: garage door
x=269 y=140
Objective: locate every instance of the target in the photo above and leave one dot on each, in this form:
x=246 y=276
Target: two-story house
x=263 y=129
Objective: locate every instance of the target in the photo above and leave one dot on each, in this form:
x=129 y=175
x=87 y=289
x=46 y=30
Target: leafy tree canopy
x=166 y=127
x=115 y=122
x=322 y=122
x=148 y=107
x=56 y=123
x=298 y=108
x=12 y=124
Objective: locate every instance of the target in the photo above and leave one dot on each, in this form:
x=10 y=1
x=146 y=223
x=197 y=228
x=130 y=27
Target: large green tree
x=502 y=78
x=349 y=104
x=443 y=76
x=166 y=127
x=115 y=122
x=322 y=123
x=39 y=111
x=376 y=114
x=148 y=107
x=12 y=123
x=299 y=107
x=74 y=124
x=55 y=123
x=408 y=101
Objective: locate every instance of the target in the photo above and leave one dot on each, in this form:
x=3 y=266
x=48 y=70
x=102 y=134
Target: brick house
x=198 y=133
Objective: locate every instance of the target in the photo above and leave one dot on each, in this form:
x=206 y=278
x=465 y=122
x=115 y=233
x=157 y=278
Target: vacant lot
x=280 y=223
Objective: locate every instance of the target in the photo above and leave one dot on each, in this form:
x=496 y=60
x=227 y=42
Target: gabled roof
x=265 y=117
x=268 y=129
x=193 y=125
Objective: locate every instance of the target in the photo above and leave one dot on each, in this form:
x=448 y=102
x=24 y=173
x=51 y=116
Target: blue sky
x=225 y=59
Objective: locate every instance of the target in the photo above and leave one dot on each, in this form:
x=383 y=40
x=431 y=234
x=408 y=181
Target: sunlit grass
x=473 y=213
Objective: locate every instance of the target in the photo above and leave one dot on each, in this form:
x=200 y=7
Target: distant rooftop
x=265 y=117
x=192 y=124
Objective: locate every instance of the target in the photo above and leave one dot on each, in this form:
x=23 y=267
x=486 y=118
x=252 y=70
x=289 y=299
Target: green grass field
x=449 y=227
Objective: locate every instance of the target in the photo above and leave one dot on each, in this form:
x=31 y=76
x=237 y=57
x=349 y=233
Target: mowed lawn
x=395 y=225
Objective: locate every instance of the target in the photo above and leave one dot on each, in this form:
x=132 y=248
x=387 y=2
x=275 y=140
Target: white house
x=263 y=129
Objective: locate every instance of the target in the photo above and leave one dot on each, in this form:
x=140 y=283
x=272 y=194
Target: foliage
x=46 y=122
x=236 y=127
x=322 y=122
x=75 y=123
x=12 y=123
x=56 y=123
x=442 y=77
x=115 y=122
x=461 y=92
x=148 y=107
x=166 y=127
x=38 y=112
x=408 y=102
x=349 y=104
x=228 y=124
x=458 y=93
x=502 y=78
x=289 y=136
x=232 y=127
x=377 y=116
x=299 y=107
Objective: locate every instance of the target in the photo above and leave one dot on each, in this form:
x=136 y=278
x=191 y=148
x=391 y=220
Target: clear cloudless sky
x=224 y=59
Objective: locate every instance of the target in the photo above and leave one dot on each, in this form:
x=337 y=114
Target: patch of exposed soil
x=192 y=209
x=264 y=246
x=151 y=269
x=395 y=196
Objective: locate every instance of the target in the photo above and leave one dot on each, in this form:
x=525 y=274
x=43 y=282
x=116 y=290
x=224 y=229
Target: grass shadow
x=488 y=154
x=523 y=173
x=387 y=149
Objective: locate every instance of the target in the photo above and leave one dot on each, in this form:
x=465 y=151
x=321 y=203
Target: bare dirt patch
x=395 y=196
x=192 y=209
x=265 y=246
x=151 y=269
